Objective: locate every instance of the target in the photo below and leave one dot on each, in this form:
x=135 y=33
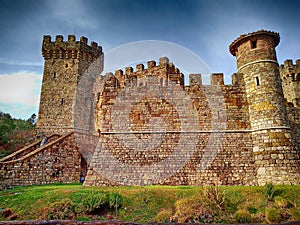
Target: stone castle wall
x=209 y=112
x=219 y=109
x=57 y=161
x=145 y=126
x=250 y=117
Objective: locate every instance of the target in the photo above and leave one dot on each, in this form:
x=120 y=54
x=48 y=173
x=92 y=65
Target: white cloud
x=19 y=63
x=20 y=88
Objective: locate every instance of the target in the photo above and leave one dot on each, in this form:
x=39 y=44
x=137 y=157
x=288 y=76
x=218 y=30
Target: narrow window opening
x=67 y=65
x=54 y=75
x=293 y=76
x=257 y=81
x=253 y=44
x=62 y=101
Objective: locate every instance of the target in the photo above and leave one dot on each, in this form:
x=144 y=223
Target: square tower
x=66 y=64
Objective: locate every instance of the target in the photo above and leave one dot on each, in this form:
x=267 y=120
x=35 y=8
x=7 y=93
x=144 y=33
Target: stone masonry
x=145 y=126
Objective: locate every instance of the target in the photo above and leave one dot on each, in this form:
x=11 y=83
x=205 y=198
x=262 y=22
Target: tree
x=33 y=119
x=14 y=133
x=6 y=126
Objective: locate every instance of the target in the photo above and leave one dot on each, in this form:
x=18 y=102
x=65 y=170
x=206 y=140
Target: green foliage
x=97 y=201
x=115 y=200
x=9 y=127
x=243 y=216
x=272 y=215
x=269 y=191
x=94 y=201
x=164 y=216
x=6 y=126
x=84 y=219
x=152 y=203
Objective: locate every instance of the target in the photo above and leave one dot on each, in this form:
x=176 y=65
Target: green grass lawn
x=152 y=203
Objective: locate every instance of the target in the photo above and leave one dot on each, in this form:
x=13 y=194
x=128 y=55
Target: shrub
x=64 y=209
x=6 y=212
x=94 y=201
x=205 y=207
x=215 y=197
x=164 y=216
x=272 y=215
x=13 y=216
x=115 y=200
x=98 y=201
x=269 y=191
x=281 y=202
x=295 y=213
x=243 y=216
x=187 y=209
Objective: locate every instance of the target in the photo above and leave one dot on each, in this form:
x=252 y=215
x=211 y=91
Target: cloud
x=20 y=88
x=73 y=14
x=19 y=63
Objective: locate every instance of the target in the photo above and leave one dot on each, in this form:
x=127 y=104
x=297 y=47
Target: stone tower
x=275 y=154
x=67 y=65
x=290 y=77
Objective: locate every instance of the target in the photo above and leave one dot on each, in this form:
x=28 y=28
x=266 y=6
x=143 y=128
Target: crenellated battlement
x=70 y=49
x=167 y=71
x=290 y=71
x=152 y=66
x=164 y=70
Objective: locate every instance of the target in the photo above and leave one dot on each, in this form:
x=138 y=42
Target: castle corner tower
x=66 y=63
x=275 y=154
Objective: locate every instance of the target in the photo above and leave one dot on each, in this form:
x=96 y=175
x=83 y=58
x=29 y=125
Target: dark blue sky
x=206 y=27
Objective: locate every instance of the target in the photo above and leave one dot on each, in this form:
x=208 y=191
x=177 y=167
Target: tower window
x=67 y=65
x=253 y=44
x=54 y=75
x=62 y=101
x=257 y=82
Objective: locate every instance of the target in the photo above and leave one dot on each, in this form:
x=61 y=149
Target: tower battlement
x=70 y=49
x=233 y=48
x=290 y=71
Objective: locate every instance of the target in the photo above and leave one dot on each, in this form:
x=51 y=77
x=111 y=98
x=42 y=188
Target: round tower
x=276 y=156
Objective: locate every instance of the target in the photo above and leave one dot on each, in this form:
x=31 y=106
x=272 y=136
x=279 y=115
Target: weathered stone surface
x=144 y=126
x=57 y=161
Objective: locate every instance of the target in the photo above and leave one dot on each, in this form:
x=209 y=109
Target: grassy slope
x=141 y=204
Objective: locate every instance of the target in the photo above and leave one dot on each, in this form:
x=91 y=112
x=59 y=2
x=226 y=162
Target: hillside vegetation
x=14 y=133
x=267 y=204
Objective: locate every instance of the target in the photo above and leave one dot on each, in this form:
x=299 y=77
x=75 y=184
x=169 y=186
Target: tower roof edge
x=236 y=42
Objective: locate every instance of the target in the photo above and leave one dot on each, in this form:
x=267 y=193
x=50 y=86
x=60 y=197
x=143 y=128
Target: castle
x=145 y=126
